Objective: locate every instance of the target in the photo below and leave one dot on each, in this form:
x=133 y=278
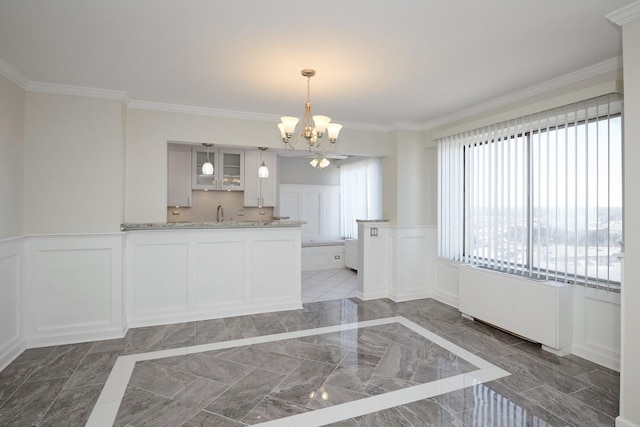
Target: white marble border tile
x=106 y=409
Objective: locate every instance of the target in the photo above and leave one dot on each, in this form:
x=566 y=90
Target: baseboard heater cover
x=540 y=311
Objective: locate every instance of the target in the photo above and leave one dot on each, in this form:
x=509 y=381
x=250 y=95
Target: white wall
x=12 y=100
x=295 y=170
x=148 y=132
x=74 y=164
x=630 y=386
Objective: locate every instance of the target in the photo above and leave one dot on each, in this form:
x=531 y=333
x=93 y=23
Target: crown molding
x=13 y=75
x=559 y=82
x=231 y=114
x=90 y=92
x=623 y=16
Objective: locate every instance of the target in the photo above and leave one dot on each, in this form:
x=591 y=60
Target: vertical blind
x=539 y=196
x=360 y=194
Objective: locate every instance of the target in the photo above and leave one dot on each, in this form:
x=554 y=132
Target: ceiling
x=378 y=63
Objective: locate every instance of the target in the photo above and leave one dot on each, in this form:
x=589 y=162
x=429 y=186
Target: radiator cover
x=537 y=310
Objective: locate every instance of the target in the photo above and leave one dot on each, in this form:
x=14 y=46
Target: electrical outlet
x=374 y=231
x=336 y=257
x=240 y=212
x=175 y=212
x=261 y=212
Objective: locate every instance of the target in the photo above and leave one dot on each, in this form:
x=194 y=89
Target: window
x=539 y=196
x=360 y=194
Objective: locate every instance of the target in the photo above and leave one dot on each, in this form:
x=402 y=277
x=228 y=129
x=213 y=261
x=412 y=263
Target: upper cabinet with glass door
x=228 y=169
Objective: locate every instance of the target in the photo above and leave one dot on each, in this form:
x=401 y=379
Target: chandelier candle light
x=313 y=127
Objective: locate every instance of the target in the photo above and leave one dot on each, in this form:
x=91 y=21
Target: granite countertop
x=133 y=226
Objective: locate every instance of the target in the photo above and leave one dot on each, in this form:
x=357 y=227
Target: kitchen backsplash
x=204 y=205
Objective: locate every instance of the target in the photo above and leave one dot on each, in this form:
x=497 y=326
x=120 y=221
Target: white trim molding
x=89 y=92
x=13 y=75
x=624 y=15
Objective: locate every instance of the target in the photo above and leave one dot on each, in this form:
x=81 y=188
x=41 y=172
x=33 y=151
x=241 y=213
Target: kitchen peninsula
x=180 y=272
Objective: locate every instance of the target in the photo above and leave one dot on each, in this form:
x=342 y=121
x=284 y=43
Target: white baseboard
x=595 y=355
x=10 y=351
x=445 y=298
x=142 y=320
x=75 y=337
x=371 y=295
x=409 y=296
x=623 y=422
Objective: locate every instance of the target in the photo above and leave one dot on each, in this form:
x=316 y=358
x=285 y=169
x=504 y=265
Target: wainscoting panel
x=186 y=275
x=12 y=337
x=412 y=268
x=318 y=205
x=596 y=333
x=73 y=288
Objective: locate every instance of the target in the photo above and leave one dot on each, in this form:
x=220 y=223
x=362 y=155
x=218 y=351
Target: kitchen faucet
x=220 y=214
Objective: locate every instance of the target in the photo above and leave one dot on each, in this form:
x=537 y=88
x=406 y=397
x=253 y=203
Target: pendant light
x=263 y=170
x=207 y=167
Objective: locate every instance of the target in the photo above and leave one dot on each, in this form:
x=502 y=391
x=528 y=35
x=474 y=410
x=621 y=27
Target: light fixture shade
x=289 y=124
x=314 y=162
x=321 y=123
x=207 y=168
x=282 y=132
x=324 y=162
x=334 y=130
x=263 y=171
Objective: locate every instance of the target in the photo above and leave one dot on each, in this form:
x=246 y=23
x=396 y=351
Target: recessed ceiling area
x=377 y=63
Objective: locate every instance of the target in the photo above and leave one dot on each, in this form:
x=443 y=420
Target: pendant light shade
x=207 y=167
x=263 y=171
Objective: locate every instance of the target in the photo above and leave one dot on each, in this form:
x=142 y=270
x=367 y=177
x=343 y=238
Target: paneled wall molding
x=12 y=332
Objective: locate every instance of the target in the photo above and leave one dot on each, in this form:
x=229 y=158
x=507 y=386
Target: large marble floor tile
x=435 y=363
x=28 y=405
x=202 y=365
x=94 y=369
x=136 y=403
x=160 y=379
x=113 y=345
x=607 y=381
x=387 y=417
x=14 y=375
x=379 y=385
x=179 y=335
x=243 y=396
x=329 y=395
x=301 y=384
x=595 y=397
x=475 y=343
x=267 y=324
x=427 y=413
x=496 y=334
x=268 y=360
x=61 y=362
x=527 y=373
x=208 y=419
x=568 y=408
x=72 y=407
x=186 y=404
x=355 y=371
x=272 y=409
x=33 y=354
x=571 y=364
x=293 y=320
x=209 y=331
x=240 y=327
x=142 y=340
x=399 y=362
x=309 y=351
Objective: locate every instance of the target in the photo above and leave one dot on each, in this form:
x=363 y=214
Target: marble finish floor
x=243 y=385
x=326 y=285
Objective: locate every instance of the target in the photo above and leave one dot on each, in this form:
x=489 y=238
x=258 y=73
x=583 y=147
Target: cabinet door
x=251 y=184
x=199 y=180
x=269 y=186
x=178 y=175
x=231 y=169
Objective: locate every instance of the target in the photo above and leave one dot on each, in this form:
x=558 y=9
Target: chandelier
x=313 y=127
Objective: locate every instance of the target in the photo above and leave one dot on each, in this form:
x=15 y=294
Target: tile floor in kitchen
x=324 y=285
x=342 y=362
